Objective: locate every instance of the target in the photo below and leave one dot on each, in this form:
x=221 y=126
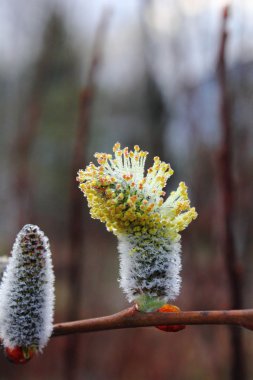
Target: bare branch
x=132 y=318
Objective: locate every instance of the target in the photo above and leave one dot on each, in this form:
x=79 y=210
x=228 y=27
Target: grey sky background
x=189 y=28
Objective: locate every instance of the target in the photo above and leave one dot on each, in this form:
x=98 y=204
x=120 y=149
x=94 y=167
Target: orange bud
x=19 y=355
x=167 y=308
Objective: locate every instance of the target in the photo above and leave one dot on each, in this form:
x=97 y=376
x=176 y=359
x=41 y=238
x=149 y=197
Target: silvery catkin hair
x=27 y=293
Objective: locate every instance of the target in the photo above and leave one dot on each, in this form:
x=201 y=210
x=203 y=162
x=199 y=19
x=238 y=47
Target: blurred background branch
x=76 y=216
x=225 y=169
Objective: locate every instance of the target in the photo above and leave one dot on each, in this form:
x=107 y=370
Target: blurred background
x=175 y=77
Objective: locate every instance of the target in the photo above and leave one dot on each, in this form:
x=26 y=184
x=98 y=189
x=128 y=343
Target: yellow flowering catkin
x=134 y=208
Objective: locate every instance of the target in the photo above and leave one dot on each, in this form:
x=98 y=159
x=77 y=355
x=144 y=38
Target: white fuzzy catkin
x=149 y=266
x=27 y=292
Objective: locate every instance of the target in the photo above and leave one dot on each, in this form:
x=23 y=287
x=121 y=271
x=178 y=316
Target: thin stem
x=132 y=318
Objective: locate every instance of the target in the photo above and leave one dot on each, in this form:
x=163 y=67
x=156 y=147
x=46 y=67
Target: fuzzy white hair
x=149 y=266
x=27 y=292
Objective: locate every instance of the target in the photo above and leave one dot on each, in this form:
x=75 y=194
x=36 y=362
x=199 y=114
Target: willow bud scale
x=148 y=227
x=27 y=295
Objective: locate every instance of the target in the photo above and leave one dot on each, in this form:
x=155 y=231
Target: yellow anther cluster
x=128 y=202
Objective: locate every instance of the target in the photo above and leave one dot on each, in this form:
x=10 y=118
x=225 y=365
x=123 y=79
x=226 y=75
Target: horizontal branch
x=131 y=318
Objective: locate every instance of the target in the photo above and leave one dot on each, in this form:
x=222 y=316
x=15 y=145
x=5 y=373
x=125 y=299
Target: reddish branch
x=130 y=318
x=227 y=192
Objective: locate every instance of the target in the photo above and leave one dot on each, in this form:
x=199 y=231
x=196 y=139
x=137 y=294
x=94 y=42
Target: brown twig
x=227 y=192
x=132 y=318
